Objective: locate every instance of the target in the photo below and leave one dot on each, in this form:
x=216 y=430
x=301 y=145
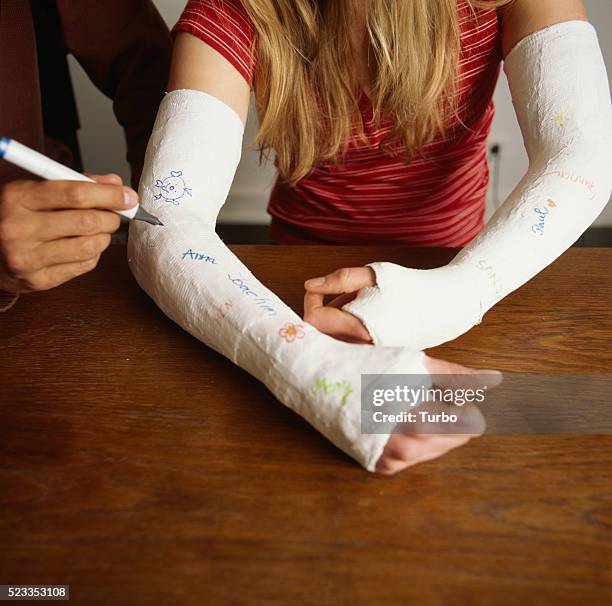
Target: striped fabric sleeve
x=225 y=26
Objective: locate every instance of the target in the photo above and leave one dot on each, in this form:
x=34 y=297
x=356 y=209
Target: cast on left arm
x=561 y=96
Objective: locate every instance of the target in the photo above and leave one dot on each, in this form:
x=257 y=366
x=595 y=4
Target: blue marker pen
x=38 y=164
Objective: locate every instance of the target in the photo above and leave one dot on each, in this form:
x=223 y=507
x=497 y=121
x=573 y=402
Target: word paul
x=196 y=256
x=343 y=388
x=262 y=302
x=542 y=214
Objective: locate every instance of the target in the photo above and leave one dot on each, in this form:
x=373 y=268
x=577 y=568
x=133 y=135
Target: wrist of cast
x=418 y=308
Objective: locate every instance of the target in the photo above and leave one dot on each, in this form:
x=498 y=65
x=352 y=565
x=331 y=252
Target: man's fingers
x=347 y=279
x=109 y=178
x=69 y=250
x=58 y=195
x=54 y=225
x=51 y=277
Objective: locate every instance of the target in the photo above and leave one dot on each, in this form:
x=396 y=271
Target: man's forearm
x=125 y=48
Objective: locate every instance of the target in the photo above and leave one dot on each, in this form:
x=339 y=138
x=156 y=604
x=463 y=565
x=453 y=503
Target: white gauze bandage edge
x=560 y=92
x=187 y=270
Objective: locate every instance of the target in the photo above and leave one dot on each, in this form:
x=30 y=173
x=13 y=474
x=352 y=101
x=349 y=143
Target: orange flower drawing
x=290 y=332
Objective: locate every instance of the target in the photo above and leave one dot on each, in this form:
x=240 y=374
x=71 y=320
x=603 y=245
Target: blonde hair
x=306 y=85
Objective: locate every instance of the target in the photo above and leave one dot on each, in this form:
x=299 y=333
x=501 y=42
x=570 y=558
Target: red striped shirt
x=438 y=199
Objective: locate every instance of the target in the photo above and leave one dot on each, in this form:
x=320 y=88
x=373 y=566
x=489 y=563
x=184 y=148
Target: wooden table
x=140 y=467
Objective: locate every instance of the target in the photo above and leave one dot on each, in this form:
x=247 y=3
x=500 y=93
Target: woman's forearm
x=561 y=97
x=562 y=100
x=197 y=281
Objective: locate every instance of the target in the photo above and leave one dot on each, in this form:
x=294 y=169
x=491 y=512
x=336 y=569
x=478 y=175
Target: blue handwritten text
x=262 y=302
x=196 y=256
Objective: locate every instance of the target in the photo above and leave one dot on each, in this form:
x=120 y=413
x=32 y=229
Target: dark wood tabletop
x=140 y=467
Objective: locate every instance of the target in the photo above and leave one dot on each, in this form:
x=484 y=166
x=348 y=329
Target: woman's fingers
x=403 y=451
x=456 y=376
x=334 y=322
x=469 y=421
x=429 y=437
x=341 y=300
x=345 y=280
x=330 y=319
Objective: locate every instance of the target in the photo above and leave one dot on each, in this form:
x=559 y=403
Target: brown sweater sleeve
x=124 y=46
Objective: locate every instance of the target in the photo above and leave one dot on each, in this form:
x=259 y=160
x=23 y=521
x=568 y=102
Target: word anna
x=196 y=256
x=343 y=388
x=245 y=289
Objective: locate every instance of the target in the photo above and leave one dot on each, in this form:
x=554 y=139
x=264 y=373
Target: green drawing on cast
x=344 y=388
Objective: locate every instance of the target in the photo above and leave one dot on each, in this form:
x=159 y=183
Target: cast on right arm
x=201 y=285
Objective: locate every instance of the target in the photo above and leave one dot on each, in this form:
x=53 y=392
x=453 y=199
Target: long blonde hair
x=307 y=90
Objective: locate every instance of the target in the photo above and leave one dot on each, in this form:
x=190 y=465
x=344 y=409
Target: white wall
x=103 y=148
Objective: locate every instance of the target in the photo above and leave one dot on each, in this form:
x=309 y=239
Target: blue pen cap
x=4 y=143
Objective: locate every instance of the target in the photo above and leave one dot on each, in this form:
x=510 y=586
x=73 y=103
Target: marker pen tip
x=143 y=215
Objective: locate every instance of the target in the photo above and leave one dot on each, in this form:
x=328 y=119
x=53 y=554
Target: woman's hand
x=329 y=318
x=396 y=306
x=406 y=448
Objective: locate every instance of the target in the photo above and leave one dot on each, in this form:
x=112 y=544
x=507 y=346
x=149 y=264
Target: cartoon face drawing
x=172 y=188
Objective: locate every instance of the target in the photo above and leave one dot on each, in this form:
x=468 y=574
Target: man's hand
x=329 y=318
x=53 y=231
